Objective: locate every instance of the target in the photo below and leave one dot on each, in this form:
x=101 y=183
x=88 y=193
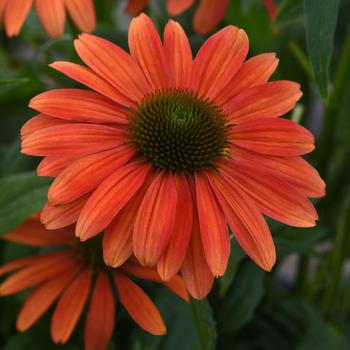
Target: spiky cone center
x=175 y=130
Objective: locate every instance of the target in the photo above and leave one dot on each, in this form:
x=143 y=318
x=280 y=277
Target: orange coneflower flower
x=207 y=16
x=169 y=150
x=68 y=275
x=52 y=14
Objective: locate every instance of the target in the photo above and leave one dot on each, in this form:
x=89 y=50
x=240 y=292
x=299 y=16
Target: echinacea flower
x=168 y=151
x=52 y=15
x=72 y=274
x=207 y=16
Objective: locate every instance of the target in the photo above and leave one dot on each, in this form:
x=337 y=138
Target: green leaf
x=8 y=84
x=242 y=298
x=289 y=12
x=235 y=258
x=20 y=196
x=205 y=323
x=320 y=20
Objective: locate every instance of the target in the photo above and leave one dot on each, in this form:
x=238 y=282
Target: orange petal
x=82 y=13
x=269 y=100
x=277 y=137
x=80 y=106
x=213 y=227
x=40 y=121
x=155 y=219
x=88 y=78
x=178 y=54
x=41 y=299
x=257 y=70
x=70 y=307
x=85 y=174
x=58 y=216
x=176 y=7
x=195 y=270
x=138 y=305
x=147 y=50
x=134 y=7
x=204 y=23
x=171 y=260
x=52 y=15
x=218 y=60
x=53 y=165
x=109 y=198
x=275 y=197
x=100 y=318
x=175 y=284
x=39 y=270
x=17 y=264
x=15 y=14
x=33 y=233
x=114 y=65
x=72 y=139
x=294 y=170
x=246 y=222
x=117 y=239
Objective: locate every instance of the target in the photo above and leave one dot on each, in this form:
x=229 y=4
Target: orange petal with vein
x=176 y=7
x=275 y=197
x=277 y=137
x=178 y=54
x=88 y=78
x=218 y=59
x=52 y=15
x=58 y=216
x=85 y=174
x=255 y=71
x=171 y=260
x=72 y=139
x=204 y=23
x=147 y=50
x=195 y=270
x=213 y=227
x=79 y=106
x=41 y=299
x=115 y=66
x=294 y=170
x=44 y=267
x=155 y=220
x=268 y=100
x=246 y=222
x=51 y=166
x=138 y=305
x=109 y=198
x=100 y=318
x=33 y=233
x=82 y=13
x=70 y=307
x=16 y=12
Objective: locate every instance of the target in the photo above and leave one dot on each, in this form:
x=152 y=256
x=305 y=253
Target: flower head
x=168 y=151
x=68 y=275
x=52 y=14
x=202 y=22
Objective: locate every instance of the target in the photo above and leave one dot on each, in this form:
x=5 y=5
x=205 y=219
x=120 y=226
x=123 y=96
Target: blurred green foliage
x=304 y=303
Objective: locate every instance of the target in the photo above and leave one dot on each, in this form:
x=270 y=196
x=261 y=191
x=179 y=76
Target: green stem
x=326 y=142
x=302 y=275
x=302 y=59
x=336 y=259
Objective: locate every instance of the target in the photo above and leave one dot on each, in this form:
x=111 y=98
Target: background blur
x=304 y=303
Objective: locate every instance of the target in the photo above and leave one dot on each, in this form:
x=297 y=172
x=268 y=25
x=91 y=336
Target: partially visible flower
x=169 y=150
x=52 y=14
x=69 y=273
x=207 y=16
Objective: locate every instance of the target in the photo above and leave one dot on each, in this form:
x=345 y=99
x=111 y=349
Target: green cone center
x=177 y=131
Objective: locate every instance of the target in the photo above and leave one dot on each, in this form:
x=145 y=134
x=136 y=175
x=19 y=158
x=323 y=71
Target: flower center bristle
x=177 y=131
